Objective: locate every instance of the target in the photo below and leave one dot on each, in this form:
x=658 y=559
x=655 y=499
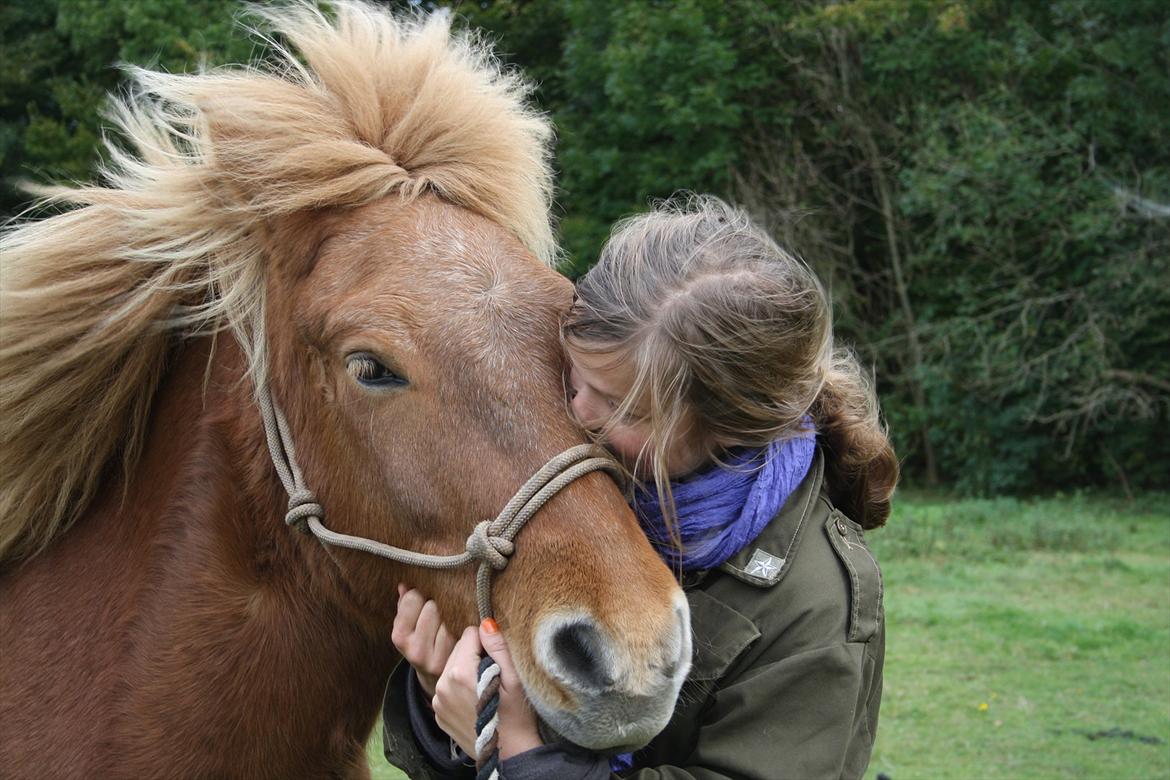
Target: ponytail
x=861 y=469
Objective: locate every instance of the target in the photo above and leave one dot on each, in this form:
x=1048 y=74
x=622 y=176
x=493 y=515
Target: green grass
x=379 y=769
x=1025 y=639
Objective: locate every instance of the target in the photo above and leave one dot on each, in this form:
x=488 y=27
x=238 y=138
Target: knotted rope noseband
x=491 y=542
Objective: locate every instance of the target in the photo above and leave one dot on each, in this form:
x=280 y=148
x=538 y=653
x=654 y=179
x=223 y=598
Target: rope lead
x=487 y=719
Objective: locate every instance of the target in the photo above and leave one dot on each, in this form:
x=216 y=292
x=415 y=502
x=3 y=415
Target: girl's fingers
x=410 y=603
x=458 y=678
x=463 y=665
x=494 y=645
x=444 y=644
x=426 y=633
x=518 y=727
x=406 y=634
x=455 y=697
x=427 y=625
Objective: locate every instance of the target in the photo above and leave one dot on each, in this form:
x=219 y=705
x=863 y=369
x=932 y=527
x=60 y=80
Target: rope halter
x=491 y=543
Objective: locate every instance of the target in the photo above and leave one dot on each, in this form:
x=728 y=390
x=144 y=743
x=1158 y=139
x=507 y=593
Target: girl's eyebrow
x=602 y=392
x=637 y=411
x=605 y=392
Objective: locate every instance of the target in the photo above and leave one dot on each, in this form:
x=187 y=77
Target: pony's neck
x=256 y=595
x=206 y=433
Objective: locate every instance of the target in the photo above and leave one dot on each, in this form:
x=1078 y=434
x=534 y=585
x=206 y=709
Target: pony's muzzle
x=624 y=688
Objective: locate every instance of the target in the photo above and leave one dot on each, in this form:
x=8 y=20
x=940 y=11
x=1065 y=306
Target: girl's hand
x=455 y=697
x=421 y=637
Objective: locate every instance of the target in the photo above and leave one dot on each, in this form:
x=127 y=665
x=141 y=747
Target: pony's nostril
x=580 y=654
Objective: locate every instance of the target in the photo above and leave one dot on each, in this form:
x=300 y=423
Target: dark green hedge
x=984 y=184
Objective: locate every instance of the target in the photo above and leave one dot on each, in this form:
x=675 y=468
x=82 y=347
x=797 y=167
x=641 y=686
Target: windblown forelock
x=352 y=109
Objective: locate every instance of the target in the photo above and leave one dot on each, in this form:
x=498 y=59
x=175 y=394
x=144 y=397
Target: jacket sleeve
x=793 y=718
x=561 y=761
x=433 y=756
x=411 y=739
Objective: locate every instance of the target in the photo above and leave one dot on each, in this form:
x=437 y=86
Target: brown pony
x=364 y=226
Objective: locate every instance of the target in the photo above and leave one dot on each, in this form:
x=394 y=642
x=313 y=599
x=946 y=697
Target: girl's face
x=597 y=385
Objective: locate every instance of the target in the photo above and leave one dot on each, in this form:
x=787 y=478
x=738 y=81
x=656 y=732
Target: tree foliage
x=983 y=184
x=59 y=59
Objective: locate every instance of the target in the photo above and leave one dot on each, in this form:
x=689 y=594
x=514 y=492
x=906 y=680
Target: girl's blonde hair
x=731 y=341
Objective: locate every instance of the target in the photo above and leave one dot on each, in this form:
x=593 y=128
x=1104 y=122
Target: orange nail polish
x=490 y=626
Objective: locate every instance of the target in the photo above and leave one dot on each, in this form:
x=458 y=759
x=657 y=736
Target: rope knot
x=302 y=505
x=485 y=546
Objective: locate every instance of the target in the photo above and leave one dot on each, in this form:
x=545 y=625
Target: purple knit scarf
x=722 y=510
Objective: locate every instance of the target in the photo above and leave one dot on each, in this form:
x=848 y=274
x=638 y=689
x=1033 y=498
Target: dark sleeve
x=411 y=739
x=560 y=761
x=435 y=743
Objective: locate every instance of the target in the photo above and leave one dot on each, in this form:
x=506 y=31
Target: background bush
x=983 y=184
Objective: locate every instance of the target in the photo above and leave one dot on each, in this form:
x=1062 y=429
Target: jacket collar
x=721 y=633
x=766 y=559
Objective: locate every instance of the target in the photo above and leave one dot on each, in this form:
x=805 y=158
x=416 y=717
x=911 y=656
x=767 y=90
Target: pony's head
x=370 y=218
x=417 y=356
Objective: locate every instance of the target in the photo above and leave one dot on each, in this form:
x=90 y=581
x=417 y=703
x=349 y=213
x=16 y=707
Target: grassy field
x=1026 y=639
x=379 y=769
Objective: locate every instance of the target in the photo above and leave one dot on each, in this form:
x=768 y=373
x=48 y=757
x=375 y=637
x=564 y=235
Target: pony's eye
x=370 y=372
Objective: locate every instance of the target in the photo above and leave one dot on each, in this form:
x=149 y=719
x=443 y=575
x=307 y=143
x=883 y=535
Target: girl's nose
x=582 y=412
x=577 y=407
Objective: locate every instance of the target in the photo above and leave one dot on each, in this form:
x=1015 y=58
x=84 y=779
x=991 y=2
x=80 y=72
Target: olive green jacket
x=789 y=640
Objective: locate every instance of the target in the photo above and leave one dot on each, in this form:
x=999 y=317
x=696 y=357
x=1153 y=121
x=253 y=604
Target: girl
x=702 y=354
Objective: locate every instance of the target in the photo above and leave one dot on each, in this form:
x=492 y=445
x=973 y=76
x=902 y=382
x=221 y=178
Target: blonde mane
x=353 y=109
